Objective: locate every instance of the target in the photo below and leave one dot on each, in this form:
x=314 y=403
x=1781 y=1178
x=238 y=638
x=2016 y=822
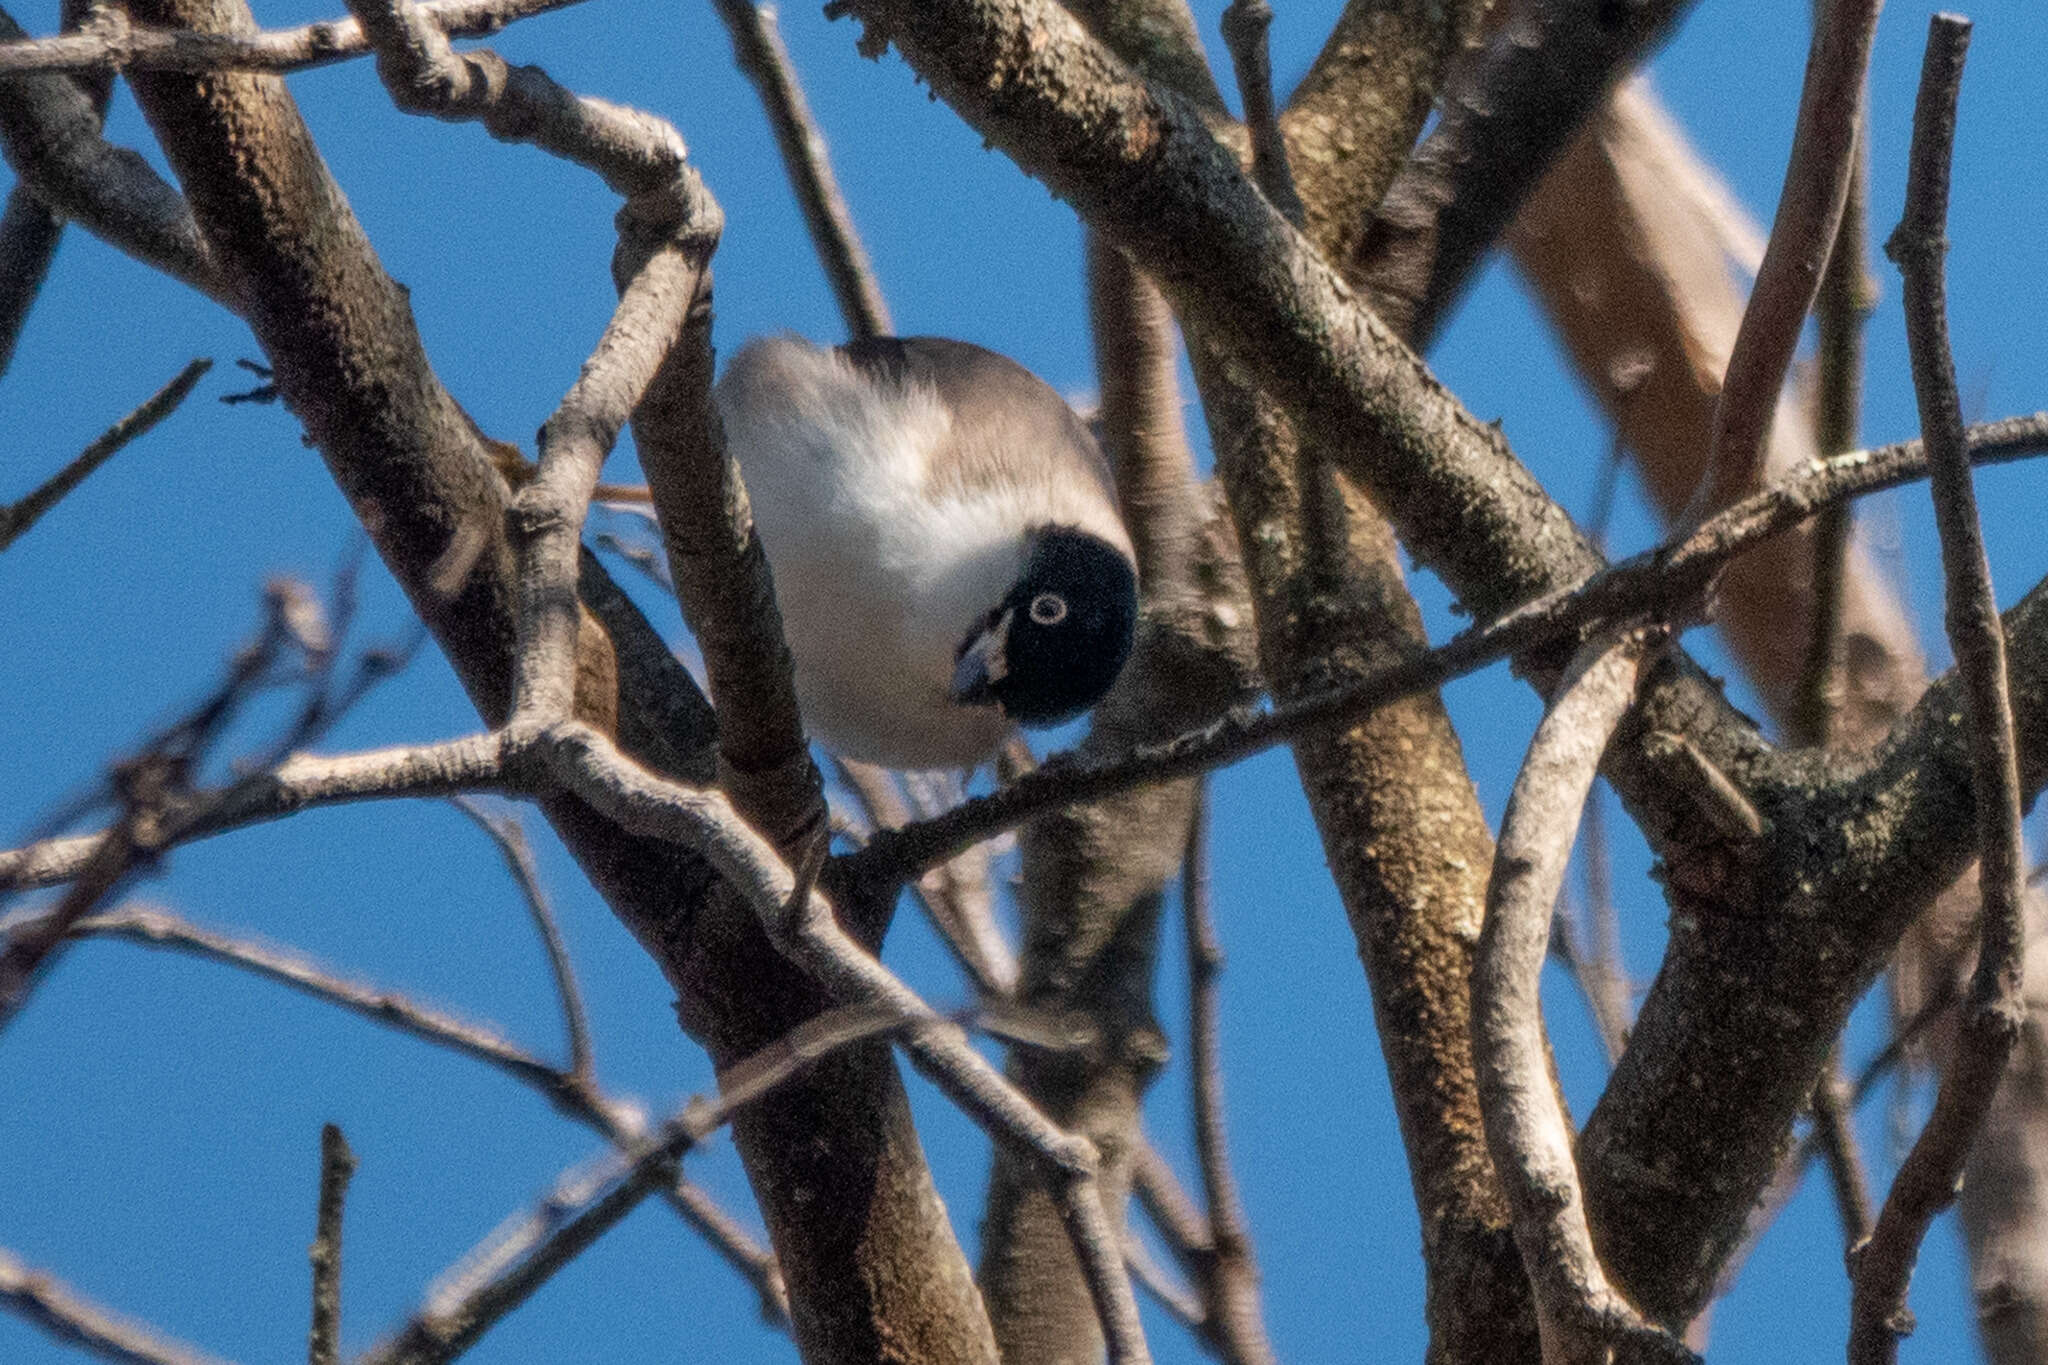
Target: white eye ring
x=1048 y=609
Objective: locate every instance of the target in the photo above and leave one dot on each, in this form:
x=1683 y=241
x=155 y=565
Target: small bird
x=945 y=541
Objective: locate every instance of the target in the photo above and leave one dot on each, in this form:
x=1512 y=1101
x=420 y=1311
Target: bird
x=944 y=539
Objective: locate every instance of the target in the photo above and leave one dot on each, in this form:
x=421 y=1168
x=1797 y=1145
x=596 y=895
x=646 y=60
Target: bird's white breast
x=879 y=579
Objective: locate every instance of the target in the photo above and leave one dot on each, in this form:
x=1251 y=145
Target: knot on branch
x=674 y=211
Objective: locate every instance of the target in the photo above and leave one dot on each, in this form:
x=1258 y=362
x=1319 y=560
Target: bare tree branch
x=16 y=517
x=575 y=1096
x=505 y=833
x=1642 y=259
x=1995 y=1010
x=1847 y=296
x=1506 y=117
x=76 y=1321
x=757 y=49
x=337 y=1165
x=1354 y=117
x=1659 y=578
x=1244 y=30
x=50 y=133
x=110 y=42
x=29 y=233
x=1581 y=1316
x=1803 y=234
x=1232 y=1319
x=1834 y=1136
x=523 y=1253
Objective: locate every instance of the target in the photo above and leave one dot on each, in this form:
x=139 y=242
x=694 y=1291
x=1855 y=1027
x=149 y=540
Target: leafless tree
x=1303 y=255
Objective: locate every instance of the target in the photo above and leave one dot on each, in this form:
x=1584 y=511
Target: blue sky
x=159 y=1139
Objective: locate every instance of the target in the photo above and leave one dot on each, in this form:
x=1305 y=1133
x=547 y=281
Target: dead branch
x=510 y=840
x=1809 y=214
x=1657 y=579
x=337 y=1165
x=17 y=517
x=76 y=1321
x=1581 y=1315
x=111 y=42
x=1232 y=1320
x=1995 y=1009
x=757 y=49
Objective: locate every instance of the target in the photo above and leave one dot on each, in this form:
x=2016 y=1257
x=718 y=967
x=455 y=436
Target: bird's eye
x=1048 y=609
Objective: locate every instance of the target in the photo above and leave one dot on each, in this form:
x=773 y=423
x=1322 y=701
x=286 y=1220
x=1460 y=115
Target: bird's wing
x=1010 y=432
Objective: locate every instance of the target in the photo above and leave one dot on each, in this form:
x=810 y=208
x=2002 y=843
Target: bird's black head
x=1054 y=645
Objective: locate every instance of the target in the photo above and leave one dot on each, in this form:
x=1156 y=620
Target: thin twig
x=1602 y=974
x=1153 y=1278
x=575 y=1097
x=758 y=51
x=1581 y=1316
x=523 y=1253
x=1834 y=1137
x=512 y=845
x=76 y=1321
x=1802 y=237
x=17 y=517
x=1995 y=1009
x=956 y=894
x=29 y=948
x=1244 y=32
x=1233 y=1320
x=805 y=928
x=1654 y=580
x=337 y=1165
x=111 y=43
x=1847 y=295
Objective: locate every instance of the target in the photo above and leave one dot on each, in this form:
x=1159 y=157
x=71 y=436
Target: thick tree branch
x=1640 y=255
x=1506 y=116
x=1656 y=580
x=50 y=133
x=510 y=840
x=29 y=233
x=1354 y=117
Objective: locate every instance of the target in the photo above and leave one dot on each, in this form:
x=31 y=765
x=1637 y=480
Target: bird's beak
x=983 y=664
